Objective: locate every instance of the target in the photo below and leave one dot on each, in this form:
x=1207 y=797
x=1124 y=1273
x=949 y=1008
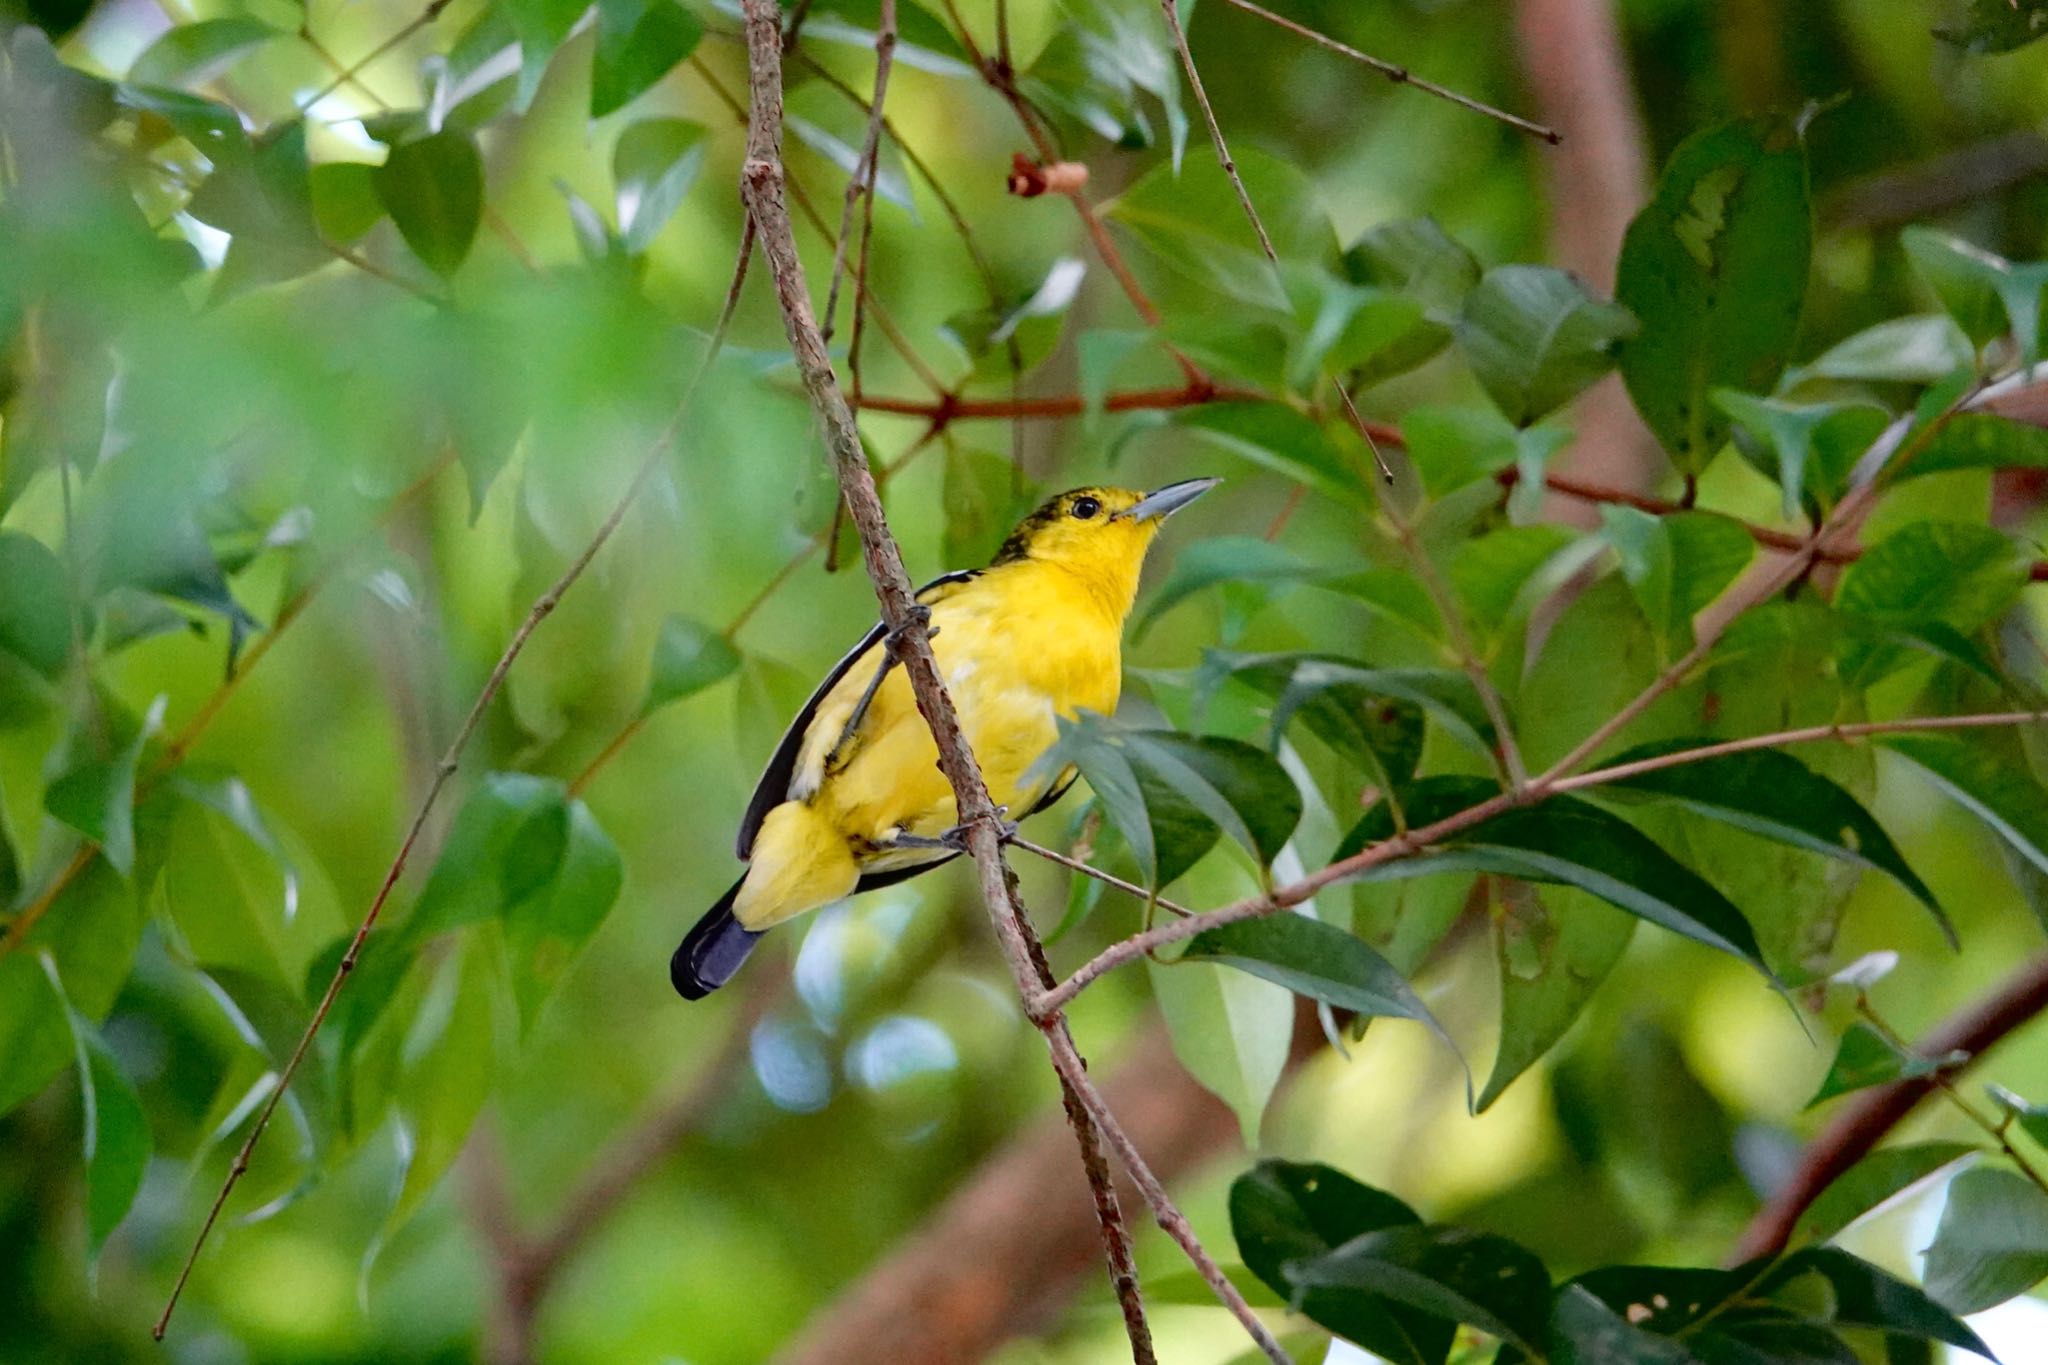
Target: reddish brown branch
x=1865 y=1120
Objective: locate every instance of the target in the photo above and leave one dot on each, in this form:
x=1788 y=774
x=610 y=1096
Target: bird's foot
x=919 y=619
x=954 y=840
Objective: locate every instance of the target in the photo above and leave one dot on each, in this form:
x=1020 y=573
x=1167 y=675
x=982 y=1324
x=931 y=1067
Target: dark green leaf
x=638 y=42
x=1283 y=1211
x=35 y=625
x=688 y=657
x=194 y=54
x=1317 y=960
x=1535 y=338
x=434 y=191
x=1868 y=1297
x=1586 y=1331
x=507 y=840
x=653 y=166
x=1471 y=1277
x=1809 y=448
x=1416 y=257
x=1775 y=795
x=1715 y=268
x=1562 y=840
x=1491 y=573
x=1555 y=945
x=1866 y=1058
x=548 y=926
x=1873 y=1181
x=1999 y=793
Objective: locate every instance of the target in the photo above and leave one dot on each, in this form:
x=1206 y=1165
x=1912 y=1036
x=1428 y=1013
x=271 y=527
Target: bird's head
x=1100 y=534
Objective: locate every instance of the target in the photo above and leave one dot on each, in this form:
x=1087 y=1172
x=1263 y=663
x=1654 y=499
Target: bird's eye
x=1085 y=508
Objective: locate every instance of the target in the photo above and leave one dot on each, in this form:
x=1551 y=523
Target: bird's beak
x=1161 y=503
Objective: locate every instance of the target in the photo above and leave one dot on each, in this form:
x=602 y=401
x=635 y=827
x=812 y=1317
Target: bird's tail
x=710 y=953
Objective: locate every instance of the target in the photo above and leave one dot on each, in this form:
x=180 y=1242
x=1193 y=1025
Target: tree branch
x=1865 y=1120
x=542 y=608
x=762 y=185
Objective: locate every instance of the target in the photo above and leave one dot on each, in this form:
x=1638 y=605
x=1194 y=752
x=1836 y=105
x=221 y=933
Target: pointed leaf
x=653 y=166
x=35 y=627
x=2001 y=794
x=1978 y=440
x=1775 y=795
x=1535 y=338
x=1866 y=1296
x=1866 y=1058
x=1715 y=268
x=638 y=42
x=1915 y=350
x=1470 y=1277
x=1232 y=1034
x=688 y=657
x=1556 y=945
x=1986 y=294
x=1992 y=1243
x=1562 y=840
x=117 y=1136
x=1284 y=1211
x=434 y=191
x=1874 y=1182
x=1223 y=559
x=194 y=54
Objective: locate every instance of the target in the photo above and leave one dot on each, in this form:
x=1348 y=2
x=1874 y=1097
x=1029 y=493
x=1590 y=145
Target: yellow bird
x=853 y=798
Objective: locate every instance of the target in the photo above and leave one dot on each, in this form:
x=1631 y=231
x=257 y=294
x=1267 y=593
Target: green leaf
x=983 y=495
x=2001 y=794
x=434 y=191
x=1555 y=945
x=1992 y=1243
x=117 y=1137
x=1866 y=1058
x=1978 y=440
x=1454 y=446
x=1284 y=1211
x=197 y=53
x=1952 y=576
x=1192 y=223
x=1873 y=1181
x=1170 y=795
x=1998 y=25
x=345 y=203
x=1491 y=572
x=96 y=797
x=1562 y=840
x=1773 y=794
x=1922 y=349
x=689 y=656
x=1866 y=1296
x=1276 y=437
x=35 y=625
x=1329 y=694
x=1231 y=1032
x=1585 y=1331
x=1317 y=960
x=1223 y=559
x=1535 y=338
x=1809 y=448
x=1417 y=258
x=1715 y=268
x=1471 y=1277
x=653 y=166
x=546 y=928
x=507 y=843
x=1987 y=295
x=1675 y=565
x=638 y=42
x=445 y=1072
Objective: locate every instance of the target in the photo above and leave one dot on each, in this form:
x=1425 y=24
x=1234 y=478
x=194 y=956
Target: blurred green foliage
x=333 y=332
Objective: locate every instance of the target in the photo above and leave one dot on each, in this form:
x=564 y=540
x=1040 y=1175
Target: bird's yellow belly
x=1010 y=679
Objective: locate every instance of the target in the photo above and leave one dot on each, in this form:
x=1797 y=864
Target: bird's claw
x=918 y=618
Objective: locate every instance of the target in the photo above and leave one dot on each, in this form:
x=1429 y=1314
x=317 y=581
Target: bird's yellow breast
x=1019 y=646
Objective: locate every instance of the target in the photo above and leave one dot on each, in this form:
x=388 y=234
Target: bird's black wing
x=773 y=788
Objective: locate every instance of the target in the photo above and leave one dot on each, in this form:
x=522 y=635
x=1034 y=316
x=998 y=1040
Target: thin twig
x=1400 y=75
x=1944 y=1065
x=866 y=170
x=951 y=408
x=542 y=608
x=355 y=69
x=1053 y=855
x=762 y=180
x=1417 y=840
x=1865 y=1120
